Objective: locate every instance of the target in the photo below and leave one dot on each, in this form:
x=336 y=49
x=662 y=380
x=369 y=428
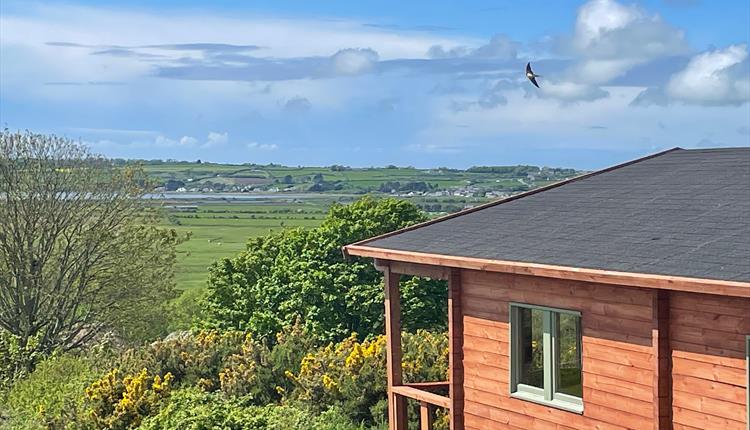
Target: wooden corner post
x=662 y=361
x=455 y=350
x=396 y=403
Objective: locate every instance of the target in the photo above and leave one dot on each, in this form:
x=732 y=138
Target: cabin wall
x=618 y=353
x=707 y=338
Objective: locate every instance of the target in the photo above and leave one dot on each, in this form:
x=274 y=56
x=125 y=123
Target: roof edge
x=507 y=199
x=628 y=279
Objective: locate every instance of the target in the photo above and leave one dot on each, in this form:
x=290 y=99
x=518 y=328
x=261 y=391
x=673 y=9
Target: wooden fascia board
x=644 y=280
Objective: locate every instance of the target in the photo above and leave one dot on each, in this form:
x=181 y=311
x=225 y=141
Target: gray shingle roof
x=683 y=213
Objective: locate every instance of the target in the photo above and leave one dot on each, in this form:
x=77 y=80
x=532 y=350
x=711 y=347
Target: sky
x=426 y=84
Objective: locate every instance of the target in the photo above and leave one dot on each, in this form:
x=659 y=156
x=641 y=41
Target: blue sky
x=411 y=83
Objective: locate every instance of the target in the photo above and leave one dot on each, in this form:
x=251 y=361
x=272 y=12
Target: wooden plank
x=705 y=421
x=425 y=416
x=709 y=405
x=428 y=386
x=422 y=396
x=396 y=406
x=621 y=388
x=455 y=351
x=617 y=371
x=645 y=280
x=711 y=372
x=618 y=356
x=416 y=269
x=712 y=389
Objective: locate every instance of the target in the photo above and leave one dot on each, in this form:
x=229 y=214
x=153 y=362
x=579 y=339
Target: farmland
x=222 y=205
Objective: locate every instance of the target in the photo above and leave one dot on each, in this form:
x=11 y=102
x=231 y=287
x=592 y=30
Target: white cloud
x=709 y=78
x=571 y=91
x=262 y=146
x=188 y=141
x=353 y=61
x=609 y=39
x=215 y=139
x=499 y=47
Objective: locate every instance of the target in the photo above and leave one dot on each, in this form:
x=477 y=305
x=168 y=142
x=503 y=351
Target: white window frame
x=547 y=395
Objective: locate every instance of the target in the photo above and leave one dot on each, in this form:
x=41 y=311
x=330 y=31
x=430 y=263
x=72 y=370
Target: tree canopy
x=79 y=252
x=302 y=273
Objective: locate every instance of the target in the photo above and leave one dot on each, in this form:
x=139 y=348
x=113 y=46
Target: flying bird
x=531 y=75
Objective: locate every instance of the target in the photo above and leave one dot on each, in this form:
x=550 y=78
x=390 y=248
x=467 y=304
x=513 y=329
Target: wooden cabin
x=615 y=300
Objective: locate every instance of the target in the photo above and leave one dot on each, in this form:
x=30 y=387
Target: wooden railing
x=423 y=392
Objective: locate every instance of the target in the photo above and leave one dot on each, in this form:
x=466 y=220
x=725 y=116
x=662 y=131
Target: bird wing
x=533 y=81
x=528 y=68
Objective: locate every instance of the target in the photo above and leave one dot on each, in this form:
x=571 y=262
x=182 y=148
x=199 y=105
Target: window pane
x=531 y=355
x=569 y=355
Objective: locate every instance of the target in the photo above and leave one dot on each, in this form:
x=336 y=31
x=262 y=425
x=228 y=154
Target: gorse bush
x=211 y=379
x=118 y=402
x=352 y=374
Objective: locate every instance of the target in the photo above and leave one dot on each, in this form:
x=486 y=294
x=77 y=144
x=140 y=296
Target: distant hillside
x=478 y=181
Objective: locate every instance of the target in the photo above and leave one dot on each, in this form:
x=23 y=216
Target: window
x=545 y=356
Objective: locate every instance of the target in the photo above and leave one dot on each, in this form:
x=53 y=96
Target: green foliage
x=302 y=274
x=211 y=379
x=119 y=402
x=192 y=409
x=51 y=395
x=352 y=374
x=16 y=358
x=83 y=256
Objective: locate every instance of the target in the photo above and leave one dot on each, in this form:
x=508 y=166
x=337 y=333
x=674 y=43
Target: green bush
x=51 y=395
x=352 y=374
x=16 y=359
x=120 y=402
x=193 y=409
x=299 y=273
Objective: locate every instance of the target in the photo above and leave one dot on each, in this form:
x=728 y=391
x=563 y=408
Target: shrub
x=117 y=402
x=192 y=358
x=51 y=395
x=351 y=374
x=302 y=273
x=16 y=359
x=194 y=409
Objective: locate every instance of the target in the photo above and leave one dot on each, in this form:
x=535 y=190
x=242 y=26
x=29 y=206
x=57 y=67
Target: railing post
x=425 y=416
x=396 y=403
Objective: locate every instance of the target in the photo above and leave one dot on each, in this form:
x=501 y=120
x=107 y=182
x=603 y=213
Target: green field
x=220 y=230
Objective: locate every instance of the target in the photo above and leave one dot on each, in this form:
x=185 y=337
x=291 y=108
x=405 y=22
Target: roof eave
x=629 y=279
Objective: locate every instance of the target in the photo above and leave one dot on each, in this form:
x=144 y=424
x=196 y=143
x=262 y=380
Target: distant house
x=615 y=300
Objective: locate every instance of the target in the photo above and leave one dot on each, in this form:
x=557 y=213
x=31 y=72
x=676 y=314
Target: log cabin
x=615 y=300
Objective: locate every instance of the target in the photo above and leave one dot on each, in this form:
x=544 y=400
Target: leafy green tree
x=80 y=252
x=302 y=273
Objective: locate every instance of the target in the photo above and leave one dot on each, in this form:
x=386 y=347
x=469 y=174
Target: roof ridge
x=511 y=198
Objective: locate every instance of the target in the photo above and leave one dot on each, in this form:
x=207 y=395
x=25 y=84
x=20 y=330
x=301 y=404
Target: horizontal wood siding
x=708 y=361
x=618 y=353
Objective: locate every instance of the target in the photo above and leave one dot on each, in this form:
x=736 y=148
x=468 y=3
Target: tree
x=79 y=249
x=302 y=273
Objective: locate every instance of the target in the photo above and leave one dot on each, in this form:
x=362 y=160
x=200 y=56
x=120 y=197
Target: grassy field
x=221 y=230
